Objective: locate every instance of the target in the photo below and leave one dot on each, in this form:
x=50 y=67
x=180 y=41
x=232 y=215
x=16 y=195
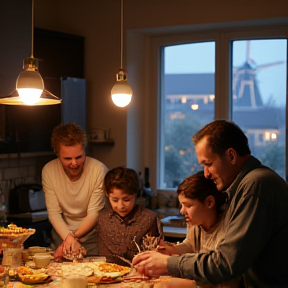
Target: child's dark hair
x=121 y=178
x=198 y=187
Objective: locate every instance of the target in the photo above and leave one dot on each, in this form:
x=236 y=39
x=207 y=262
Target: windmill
x=245 y=87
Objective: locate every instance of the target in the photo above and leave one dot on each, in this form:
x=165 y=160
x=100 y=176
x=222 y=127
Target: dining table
x=164 y=281
x=161 y=282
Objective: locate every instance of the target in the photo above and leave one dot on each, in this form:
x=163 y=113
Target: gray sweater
x=254 y=234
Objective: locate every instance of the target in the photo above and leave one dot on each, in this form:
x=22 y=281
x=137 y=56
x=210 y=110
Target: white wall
x=99 y=22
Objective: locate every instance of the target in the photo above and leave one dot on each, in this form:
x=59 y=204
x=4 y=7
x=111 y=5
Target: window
x=188 y=103
x=240 y=76
x=259 y=97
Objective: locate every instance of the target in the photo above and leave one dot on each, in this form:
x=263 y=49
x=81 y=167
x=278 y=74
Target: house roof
x=185 y=84
x=248 y=111
x=245 y=87
x=267 y=118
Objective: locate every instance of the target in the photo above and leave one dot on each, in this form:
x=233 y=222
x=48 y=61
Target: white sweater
x=71 y=203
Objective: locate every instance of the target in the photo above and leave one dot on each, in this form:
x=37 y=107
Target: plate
x=76 y=269
x=95 y=280
x=31 y=276
x=35 y=279
x=14 y=239
x=109 y=270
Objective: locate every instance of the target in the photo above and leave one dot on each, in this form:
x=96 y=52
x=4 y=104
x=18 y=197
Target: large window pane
x=188 y=92
x=259 y=97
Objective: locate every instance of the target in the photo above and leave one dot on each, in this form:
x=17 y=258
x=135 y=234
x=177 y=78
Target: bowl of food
x=42 y=260
x=36 y=249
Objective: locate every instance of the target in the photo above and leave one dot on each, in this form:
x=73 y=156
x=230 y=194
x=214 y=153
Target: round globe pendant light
x=121 y=92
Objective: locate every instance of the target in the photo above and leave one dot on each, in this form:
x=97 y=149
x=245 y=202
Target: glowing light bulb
x=29 y=96
x=121 y=100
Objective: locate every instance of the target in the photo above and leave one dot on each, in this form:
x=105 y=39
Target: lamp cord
x=32 y=31
x=121 y=36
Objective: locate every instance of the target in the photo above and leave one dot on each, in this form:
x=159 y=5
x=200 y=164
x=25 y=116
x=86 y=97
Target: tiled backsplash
x=16 y=170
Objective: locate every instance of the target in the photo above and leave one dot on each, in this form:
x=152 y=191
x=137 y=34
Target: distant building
x=262 y=124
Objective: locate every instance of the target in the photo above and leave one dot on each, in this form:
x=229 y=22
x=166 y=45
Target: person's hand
x=166 y=248
x=59 y=253
x=71 y=244
x=150 y=263
x=72 y=248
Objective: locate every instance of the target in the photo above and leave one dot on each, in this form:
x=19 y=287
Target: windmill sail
x=245 y=87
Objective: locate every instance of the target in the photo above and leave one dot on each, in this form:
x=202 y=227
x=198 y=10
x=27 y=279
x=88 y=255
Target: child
x=201 y=205
x=122 y=224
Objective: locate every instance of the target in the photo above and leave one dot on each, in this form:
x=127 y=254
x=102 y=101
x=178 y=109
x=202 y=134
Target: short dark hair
x=121 y=178
x=222 y=135
x=198 y=187
x=68 y=134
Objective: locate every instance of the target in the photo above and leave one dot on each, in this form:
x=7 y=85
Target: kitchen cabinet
x=62 y=70
x=61 y=55
x=26 y=129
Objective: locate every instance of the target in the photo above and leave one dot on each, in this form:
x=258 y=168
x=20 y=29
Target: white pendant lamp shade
x=121 y=92
x=29 y=83
x=47 y=98
x=30 y=88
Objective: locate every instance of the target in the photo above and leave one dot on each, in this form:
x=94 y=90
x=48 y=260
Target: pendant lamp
x=121 y=92
x=29 y=85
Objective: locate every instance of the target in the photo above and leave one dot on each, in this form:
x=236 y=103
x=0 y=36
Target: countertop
x=175 y=232
x=32 y=216
x=174 y=226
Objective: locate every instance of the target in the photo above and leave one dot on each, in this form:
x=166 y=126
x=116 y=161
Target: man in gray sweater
x=254 y=236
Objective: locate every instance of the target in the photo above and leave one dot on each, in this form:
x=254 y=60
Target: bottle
x=141 y=199
x=148 y=192
x=141 y=185
x=3 y=210
x=146 y=178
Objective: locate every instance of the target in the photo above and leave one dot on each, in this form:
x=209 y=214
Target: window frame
x=148 y=74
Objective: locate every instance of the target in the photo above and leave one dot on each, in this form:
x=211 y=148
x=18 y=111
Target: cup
x=25 y=255
x=12 y=257
x=42 y=261
x=100 y=134
x=4 y=276
x=75 y=281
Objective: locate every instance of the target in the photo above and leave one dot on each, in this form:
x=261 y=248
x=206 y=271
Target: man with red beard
x=73 y=187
